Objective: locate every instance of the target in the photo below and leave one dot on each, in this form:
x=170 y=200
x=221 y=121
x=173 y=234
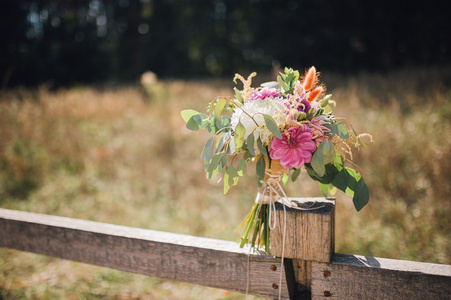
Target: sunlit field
x=124 y=156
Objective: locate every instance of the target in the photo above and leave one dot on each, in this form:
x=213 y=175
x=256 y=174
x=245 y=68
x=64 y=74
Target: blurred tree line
x=97 y=41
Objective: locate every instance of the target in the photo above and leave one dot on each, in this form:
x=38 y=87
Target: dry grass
x=115 y=156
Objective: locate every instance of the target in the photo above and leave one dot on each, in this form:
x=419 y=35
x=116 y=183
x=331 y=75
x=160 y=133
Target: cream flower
x=253 y=120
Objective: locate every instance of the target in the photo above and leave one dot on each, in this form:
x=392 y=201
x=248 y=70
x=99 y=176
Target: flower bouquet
x=280 y=128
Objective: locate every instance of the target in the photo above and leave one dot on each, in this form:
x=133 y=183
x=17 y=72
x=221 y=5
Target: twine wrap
x=270 y=191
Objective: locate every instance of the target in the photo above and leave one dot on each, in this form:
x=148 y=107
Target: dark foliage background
x=97 y=41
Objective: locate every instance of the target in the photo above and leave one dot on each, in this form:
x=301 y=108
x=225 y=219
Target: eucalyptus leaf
x=295 y=174
x=272 y=126
x=192 y=124
x=214 y=165
x=332 y=127
x=328 y=177
x=188 y=113
x=239 y=135
x=324 y=188
x=231 y=146
x=207 y=152
x=342 y=131
x=241 y=168
x=221 y=124
x=211 y=107
x=261 y=166
x=223 y=141
x=317 y=163
x=219 y=107
x=261 y=148
x=231 y=178
x=328 y=150
x=250 y=143
x=238 y=95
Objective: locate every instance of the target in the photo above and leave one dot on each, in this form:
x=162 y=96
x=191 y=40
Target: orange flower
x=315 y=93
x=310 y=79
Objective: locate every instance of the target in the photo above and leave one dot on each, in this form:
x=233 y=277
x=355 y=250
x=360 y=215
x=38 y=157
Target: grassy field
x=122 y=157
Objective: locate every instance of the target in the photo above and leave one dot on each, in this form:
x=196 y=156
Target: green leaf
x=239 y=135
x=324 y=188
x=261 y=148
x=207 y=152
x=238 y=95
x=223 y=141
x=272 y=126
x=318 y=163
x=197 y=121
x=354 y=174
x=219 y=107
x=188 y=113
x=241 y=168
x=361 y=195
x=211 y=107
x=261 y=167
x=346 y=180
x=327 y=178
x=285 y=178
x=295 y=174
x=342 y=131
x=325 y=100
x=332 y=190
x=192 y=124
x=328 y=150
x=341 y=181
x=231 y=178
x=250 y=143
x=282 y=83
x=213 y=168
x=338 y=162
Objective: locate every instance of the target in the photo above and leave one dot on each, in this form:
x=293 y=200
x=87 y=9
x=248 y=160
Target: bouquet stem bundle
x=257 y=224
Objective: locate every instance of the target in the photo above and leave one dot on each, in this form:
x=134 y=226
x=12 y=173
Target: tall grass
x=115 y=156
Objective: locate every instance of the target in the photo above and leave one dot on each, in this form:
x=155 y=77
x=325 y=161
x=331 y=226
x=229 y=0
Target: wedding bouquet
x=280 y=128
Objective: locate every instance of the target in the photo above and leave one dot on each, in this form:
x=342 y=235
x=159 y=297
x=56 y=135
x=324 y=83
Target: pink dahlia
x=295 y=148
x=264 y=93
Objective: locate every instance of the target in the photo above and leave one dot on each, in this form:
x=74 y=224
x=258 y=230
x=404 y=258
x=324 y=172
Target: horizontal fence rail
x=203 y=261
x=220 y=264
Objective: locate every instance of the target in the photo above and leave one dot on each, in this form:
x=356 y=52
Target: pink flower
x=264 y=93
x=295 y=148
x=318 y=129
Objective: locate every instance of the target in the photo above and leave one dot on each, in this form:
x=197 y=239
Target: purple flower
x=300 y=103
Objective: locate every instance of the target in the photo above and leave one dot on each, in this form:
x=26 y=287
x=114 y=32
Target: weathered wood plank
x=309 y=233
x=359 y=277
x=203 y=261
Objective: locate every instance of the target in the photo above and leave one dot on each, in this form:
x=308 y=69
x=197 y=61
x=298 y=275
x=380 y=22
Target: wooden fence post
x=309 y=236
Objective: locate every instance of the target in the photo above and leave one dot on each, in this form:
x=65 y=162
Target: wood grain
x=359 y=277
x=309 y=233
x=208 y=262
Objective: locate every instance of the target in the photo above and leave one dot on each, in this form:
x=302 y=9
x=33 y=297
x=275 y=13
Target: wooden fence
x=312 y=269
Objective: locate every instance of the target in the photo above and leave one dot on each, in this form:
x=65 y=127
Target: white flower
x=255 y=109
